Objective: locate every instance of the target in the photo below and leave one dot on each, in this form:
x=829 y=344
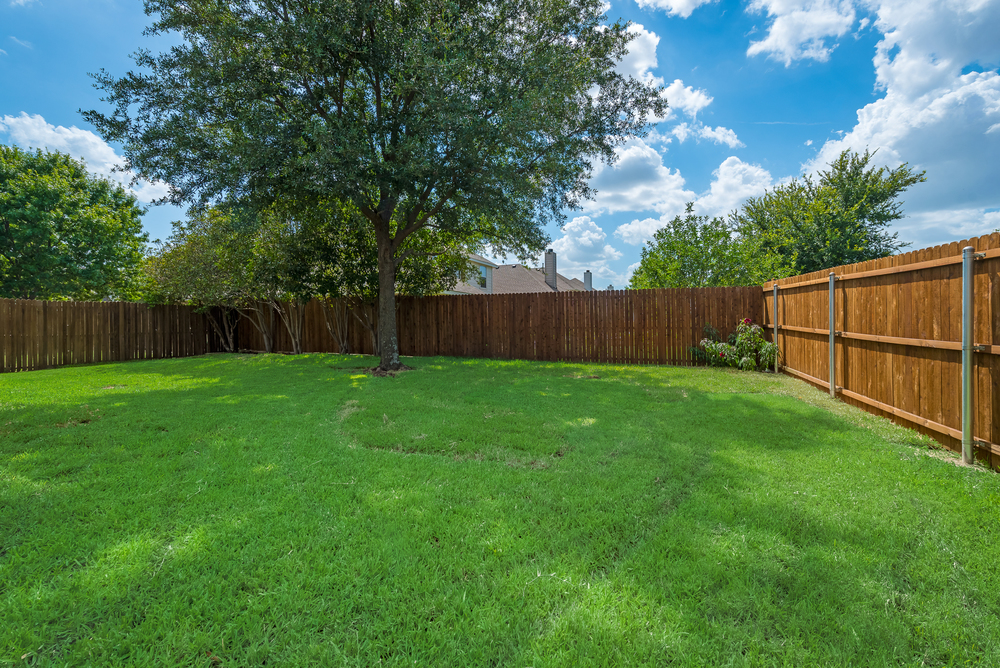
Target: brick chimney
x=588 y=280
x=550 y=269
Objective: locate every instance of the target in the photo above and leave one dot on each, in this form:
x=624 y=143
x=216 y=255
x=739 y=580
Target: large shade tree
x=478 y=119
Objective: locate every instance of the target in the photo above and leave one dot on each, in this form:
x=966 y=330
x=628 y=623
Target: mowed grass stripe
x=276 y=510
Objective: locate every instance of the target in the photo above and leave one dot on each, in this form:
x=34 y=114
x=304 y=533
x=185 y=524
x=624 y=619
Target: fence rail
x=898 y=338
x=42 y=335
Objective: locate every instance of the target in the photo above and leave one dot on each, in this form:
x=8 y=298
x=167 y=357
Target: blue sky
x=759 y=92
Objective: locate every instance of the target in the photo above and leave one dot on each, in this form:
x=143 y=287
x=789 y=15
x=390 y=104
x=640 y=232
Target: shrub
x=746 y=350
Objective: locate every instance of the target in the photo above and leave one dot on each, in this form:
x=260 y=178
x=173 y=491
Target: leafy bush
x=746 y=350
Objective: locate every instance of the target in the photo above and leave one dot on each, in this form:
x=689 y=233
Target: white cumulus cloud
x=638 y=181
x=681 y=8
x=582 y=246
x=732 y=183
x=801 y=29
x=35 y=132
x=719 y=134
x=640 y=61
x=686 y=98
x=641 y=56
x=933 y=116
x=639 y=231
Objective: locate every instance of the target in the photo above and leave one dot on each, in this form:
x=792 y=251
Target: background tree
x=205 y=263
x=698 y=251
x=476 y=120
x=65 y=234
x=268 y=270
x=840 y=218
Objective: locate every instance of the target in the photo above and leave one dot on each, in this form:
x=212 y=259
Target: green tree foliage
x=840 y=218
x=336 y=260
x=272 y=267
x=802 y=226
x=698 y=251
x=477 y=120
x=65 y=234
x=206 y=262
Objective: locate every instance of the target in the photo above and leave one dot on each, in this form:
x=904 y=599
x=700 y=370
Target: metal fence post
x=833 y=333
x=967 y=257
x=775 y=324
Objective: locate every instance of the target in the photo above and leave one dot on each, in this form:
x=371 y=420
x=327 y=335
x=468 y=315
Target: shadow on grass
x=234 y=509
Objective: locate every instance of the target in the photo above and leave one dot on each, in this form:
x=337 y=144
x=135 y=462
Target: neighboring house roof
x=463 y=288
x=516 y=278
x=479 y=259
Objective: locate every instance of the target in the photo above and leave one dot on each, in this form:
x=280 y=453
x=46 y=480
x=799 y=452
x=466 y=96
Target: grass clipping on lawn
x=241 y=510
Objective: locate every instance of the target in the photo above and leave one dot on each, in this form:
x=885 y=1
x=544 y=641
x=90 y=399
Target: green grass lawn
x=286 y=511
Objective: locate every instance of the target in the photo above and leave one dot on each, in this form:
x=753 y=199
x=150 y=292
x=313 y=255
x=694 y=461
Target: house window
x=482 y=276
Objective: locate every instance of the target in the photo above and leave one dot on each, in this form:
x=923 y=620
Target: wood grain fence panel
x=675 y=326
x=21 y=322
x=640 y=326
x=20 y=325
x=6 y=336
x=604 y=315
x=988 y=328
x=608 y=325
x=921 y=305
x=950 y=311
x=683 y=324
x=644 y=329
x=615 y=330
x=628 y=329
x=598 y=314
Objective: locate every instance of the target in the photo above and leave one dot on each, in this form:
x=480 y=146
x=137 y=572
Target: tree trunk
x=224 y=327
x=335 y=312
x=293 y=315
x=367 y=315
x=388 y=340
x=263 y=319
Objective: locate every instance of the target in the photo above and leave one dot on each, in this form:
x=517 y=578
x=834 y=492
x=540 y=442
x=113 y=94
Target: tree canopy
x=699 y=251
x=219 y=263
x=806 y=225
x=65 y=234
x=476 y=121
x=840 y=218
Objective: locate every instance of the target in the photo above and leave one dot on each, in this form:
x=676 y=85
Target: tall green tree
x=65 y=234
x=841 y=217
x=699 y=251
x=476 y=119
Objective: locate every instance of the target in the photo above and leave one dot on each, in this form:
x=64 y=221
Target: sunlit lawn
x=288 y=511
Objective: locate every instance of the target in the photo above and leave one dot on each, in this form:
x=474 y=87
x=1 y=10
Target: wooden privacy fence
x=617 y=326
x=897 y=326
x=42 y=335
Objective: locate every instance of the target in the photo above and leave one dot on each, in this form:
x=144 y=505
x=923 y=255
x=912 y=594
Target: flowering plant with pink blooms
x=746 y=349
